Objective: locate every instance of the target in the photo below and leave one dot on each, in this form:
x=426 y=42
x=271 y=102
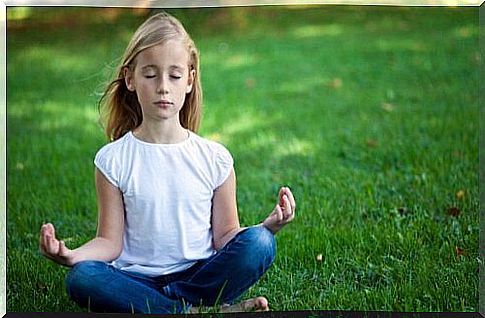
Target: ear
x=128 y=74
x=190 y=82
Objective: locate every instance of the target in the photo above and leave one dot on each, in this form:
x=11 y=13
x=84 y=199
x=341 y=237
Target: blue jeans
x=220 y=279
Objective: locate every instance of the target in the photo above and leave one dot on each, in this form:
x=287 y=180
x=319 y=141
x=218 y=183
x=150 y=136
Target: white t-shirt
x=167 y=193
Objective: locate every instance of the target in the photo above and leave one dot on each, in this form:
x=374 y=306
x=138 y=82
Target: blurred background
x=369 y=114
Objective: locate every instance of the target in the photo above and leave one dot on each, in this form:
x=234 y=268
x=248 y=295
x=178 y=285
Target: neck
x=161 y=133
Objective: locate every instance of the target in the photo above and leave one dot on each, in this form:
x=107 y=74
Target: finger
x=291 y=198
x=43 y=239
x=280 y=196
x=287 y=211
x=279 y=213
x=51 y=230
x=52 y=245
x=48 y=226
x=62 y=249
x=48 y=244
x=290 y=218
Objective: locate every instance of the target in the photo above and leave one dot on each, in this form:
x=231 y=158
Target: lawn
x=369 y=114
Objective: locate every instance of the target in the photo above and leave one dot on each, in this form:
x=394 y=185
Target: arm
x=225 y=220
x=107 y=244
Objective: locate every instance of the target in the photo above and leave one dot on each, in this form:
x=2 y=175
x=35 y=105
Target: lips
x=163 y=103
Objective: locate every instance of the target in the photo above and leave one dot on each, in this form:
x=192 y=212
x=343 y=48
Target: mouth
x=163 y=103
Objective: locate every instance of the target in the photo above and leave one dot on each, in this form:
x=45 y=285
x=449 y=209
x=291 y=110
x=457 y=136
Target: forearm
x=220 y=242
x=99 y=248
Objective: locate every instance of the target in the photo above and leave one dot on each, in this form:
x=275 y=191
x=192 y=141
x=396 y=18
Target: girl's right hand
x=283 y=213
x=52 y=248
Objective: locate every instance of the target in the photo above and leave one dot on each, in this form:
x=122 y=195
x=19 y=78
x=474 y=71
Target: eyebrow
x=172 y=67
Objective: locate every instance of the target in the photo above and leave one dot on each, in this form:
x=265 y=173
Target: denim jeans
x=220 y=279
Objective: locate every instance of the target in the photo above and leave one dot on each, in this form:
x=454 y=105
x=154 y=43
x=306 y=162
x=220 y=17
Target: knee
x=261 y=245
x=80 y=277
x=261 y=239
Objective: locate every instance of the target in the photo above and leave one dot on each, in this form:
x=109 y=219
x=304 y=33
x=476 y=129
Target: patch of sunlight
x=64 y=115
x=303 y=85
x=280 y=146
x=239 y=60
x=310 y=31
x=222 y=131
x=229 y=61
x=247 y=121
x=402 y=44
x=465 y=32
x=261 y=140
x=55 y=58
x=16 y=111
x=18 y=13
x=293 y=146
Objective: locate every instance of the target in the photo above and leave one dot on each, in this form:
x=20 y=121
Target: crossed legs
x=218 y=280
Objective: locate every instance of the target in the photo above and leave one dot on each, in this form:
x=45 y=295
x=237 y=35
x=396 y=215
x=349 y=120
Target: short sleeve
x=106 y=163
x=224 y=163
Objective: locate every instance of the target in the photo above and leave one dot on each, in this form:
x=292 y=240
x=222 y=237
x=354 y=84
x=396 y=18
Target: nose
x=162 y=87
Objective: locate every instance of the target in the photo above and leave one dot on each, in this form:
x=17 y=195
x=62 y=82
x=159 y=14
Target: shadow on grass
x=359 y=110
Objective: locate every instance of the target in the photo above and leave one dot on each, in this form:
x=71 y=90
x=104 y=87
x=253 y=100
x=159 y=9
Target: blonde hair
x=119 y=107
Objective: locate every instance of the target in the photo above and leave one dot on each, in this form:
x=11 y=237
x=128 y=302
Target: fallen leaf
x=336 y=83
x=250 y=82
x=459 y=251
x=319 y=257
x=453 y=211
x=388 y=107
x=460 y=194
x=371 y=143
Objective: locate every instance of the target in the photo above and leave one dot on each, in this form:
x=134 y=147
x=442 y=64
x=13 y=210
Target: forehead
x=169 y=53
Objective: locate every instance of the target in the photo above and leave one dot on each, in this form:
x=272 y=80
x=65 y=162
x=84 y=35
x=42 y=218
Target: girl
x=168 y=237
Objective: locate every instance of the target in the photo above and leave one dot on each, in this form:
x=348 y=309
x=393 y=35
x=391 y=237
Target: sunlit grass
x=309 y=31
x=368 y=114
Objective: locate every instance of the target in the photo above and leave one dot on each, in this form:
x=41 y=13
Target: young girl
x=168 y=238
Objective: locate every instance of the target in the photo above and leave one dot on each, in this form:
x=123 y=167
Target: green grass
x=369 y=114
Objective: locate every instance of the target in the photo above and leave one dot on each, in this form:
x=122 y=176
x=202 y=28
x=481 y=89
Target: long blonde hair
x=119 y=107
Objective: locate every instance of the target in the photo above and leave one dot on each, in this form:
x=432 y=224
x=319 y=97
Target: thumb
x=63 y=250
x=278 y=213
x=281 y=202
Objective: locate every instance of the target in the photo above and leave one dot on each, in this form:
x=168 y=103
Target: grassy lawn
x=369 y=114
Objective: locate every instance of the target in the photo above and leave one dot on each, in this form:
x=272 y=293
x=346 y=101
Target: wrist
x=72 y=259
x=269 y=227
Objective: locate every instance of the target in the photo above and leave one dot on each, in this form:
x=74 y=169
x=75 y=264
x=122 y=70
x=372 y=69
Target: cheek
x=143 y=91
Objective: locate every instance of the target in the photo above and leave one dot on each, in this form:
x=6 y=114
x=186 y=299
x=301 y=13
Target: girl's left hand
x=52 y=248
x=283 y=213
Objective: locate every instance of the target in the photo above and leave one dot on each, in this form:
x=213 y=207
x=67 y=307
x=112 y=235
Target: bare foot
x=255 y=304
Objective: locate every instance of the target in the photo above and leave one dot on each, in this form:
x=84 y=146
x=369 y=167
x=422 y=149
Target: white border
x=229 y=3
x=164 y=4
x=3 y=158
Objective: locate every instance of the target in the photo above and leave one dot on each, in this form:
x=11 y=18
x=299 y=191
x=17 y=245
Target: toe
x=261 y=304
